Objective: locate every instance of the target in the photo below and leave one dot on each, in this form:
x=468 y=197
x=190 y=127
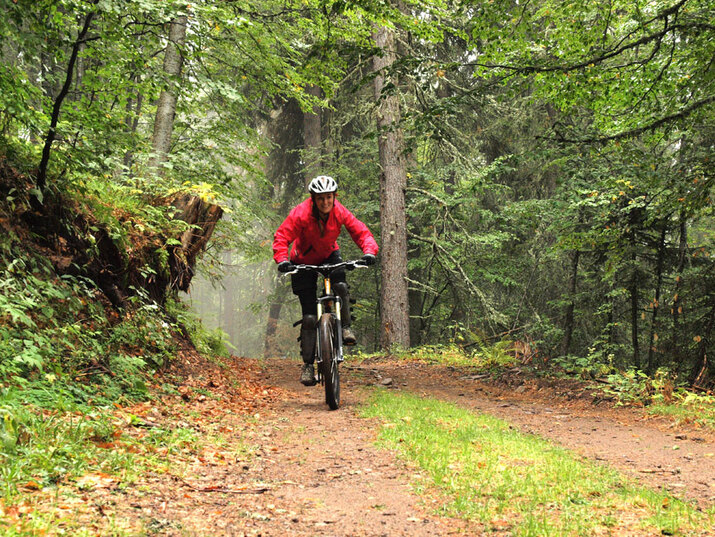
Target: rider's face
x=324 y=202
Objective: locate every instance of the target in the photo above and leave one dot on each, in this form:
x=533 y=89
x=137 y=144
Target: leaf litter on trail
x=146 y=438
x=97 y=480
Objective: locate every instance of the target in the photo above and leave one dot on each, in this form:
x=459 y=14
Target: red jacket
x=312 y=247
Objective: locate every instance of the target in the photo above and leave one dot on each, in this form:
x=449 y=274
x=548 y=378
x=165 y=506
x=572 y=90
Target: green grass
x=496 y=476
x=51 y=448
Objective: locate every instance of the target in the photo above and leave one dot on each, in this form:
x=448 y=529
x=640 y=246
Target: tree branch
x=456 y=267
x=681 y=114
x=51 y=133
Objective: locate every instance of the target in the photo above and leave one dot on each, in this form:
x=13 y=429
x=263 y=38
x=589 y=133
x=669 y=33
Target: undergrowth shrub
x=209 y=342
x=481 y=355
x=685 y=406
x=66 y=356
x=60 y=338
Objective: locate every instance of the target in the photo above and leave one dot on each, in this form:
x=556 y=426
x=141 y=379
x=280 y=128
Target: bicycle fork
x=329 y=297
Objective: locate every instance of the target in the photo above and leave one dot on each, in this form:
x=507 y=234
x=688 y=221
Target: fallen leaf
x=97 y=481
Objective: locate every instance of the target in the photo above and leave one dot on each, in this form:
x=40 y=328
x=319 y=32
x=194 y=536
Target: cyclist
x=313 y=227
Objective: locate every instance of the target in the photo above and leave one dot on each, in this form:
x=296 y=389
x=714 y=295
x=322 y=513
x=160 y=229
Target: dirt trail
x=331 y=479
x=311 y=472
x=358 y=490
x=318 y=473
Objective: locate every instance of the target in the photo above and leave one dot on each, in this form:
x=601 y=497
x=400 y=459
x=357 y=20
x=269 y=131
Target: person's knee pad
x=341 y=288
x=309 y=322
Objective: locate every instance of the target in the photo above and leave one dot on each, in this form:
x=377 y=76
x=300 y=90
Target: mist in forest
x=239 y=304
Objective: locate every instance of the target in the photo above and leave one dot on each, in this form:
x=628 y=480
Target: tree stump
x=202 y=218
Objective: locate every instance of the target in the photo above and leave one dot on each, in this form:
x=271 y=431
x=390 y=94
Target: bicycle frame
x=329 y=330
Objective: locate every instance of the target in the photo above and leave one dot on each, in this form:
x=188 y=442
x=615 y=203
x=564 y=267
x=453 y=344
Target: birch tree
x=166 y=108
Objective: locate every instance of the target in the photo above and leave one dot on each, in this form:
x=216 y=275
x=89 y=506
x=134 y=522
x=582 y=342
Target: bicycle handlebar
x=326 y=270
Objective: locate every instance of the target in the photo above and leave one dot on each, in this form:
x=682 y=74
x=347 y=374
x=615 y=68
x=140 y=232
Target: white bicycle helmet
x=323 y=184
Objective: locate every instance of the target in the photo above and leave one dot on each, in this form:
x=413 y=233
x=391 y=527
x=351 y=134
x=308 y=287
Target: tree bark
x=700 y=372
x=394 y=308
x=57 y=106
x=569 y=315
x=132 y=124
x=635 y=299
x=166 y=108
x=677 y=301
x=229 y=321
x=202 y=217
x=656 y=301
x=274 y=313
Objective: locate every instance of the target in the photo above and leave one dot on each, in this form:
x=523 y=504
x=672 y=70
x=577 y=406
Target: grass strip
x=508 y=481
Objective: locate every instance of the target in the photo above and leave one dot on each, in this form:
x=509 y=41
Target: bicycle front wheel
x=329 y=361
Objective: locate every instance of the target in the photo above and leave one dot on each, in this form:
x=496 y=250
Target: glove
x=369 y=259
x=285 y=266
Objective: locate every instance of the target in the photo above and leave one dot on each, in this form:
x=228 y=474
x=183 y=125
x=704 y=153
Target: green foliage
x=68 y=358
x=629 y=386
x=235 y=60
x=57 y=340
x=662 y=394
x=626 y=63
x=518 y=223
x=438 y=354
x=482 y=357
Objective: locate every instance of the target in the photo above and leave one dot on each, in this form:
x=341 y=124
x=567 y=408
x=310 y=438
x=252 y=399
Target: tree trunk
x=656 y=301
x=611 y=320
x=202 y=217
x=133 y=111
x=569 y=316
x=677 y=308
x=394 y=309
x=79 y=76
x=274 y=313
x=312 y=139
x=57 y=106
x=699 y=374
x=166 y=108
x=635 y=299
x=230 y=320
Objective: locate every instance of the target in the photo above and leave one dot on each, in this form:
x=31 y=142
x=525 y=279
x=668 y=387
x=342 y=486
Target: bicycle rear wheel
x=329 y=361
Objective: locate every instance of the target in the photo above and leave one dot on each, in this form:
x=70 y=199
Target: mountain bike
x=329 y=343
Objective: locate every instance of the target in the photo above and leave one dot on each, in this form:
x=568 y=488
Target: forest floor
x=286 y=465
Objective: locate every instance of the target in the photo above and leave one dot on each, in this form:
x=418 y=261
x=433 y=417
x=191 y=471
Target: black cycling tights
x=305 y=284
